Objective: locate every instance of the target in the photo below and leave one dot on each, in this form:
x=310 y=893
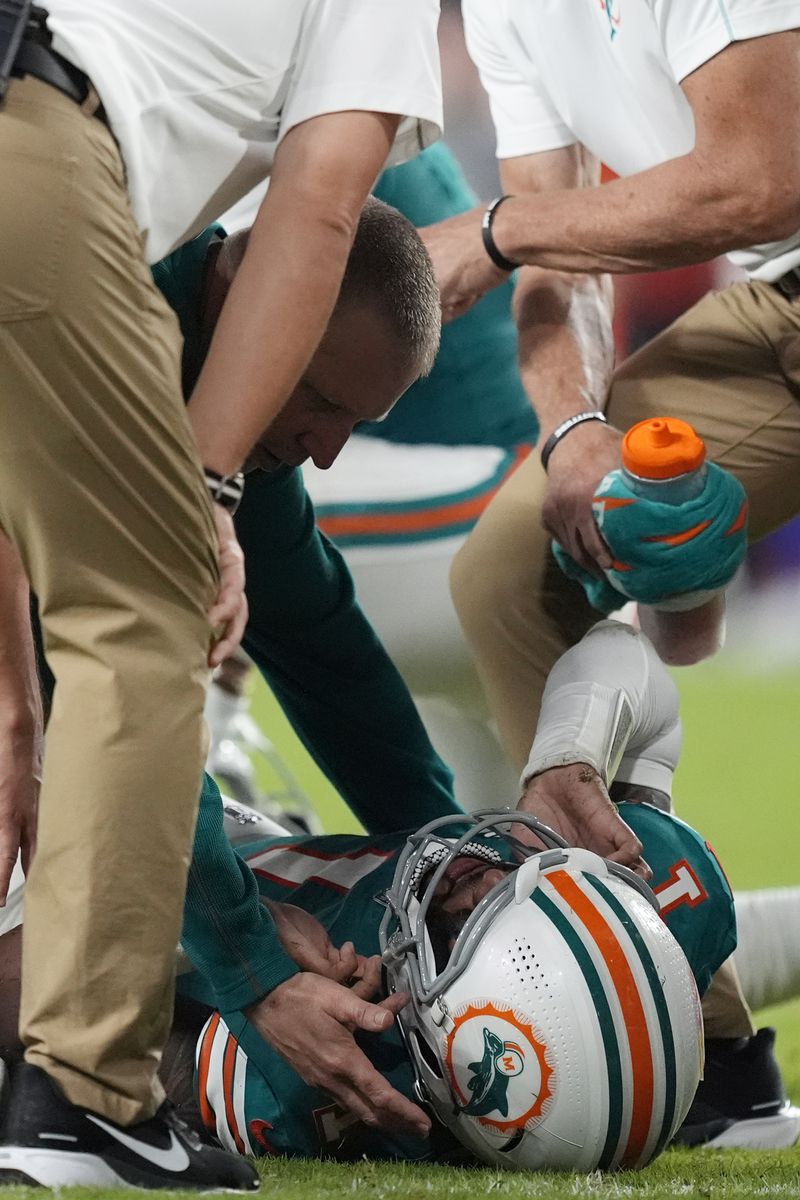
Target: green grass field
x=737 y=783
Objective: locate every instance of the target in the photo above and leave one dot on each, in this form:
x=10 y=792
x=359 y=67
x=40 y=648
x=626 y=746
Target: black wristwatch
x=226 y=490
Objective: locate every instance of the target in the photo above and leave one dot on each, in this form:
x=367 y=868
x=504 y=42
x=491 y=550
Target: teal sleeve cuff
x=228 y=934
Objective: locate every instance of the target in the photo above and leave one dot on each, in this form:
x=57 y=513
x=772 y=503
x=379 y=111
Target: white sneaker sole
x=761 y=1133
x=56 y=1169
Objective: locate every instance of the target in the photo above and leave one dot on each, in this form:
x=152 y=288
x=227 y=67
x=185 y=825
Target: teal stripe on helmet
x=605 y=1020
x=665 y=1024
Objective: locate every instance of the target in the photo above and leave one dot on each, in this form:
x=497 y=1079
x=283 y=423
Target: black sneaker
x=46 y=1140
x=741 y=1102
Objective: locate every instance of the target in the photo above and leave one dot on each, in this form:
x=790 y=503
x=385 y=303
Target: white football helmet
x=564 y=1030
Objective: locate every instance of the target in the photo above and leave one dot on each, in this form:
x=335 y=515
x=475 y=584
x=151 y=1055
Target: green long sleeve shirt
x=346 y=700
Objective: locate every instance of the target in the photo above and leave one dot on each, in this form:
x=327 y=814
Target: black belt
x=25 y=50
x=789 y=284
x=46 y=64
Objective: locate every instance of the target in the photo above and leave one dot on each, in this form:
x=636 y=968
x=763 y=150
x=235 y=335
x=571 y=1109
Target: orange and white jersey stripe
x=221 y=1067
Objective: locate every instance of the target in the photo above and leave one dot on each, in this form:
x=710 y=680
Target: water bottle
x=664 y=460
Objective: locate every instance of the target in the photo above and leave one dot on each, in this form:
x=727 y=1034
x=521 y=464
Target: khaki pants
x=101 y=491
x=731 y=367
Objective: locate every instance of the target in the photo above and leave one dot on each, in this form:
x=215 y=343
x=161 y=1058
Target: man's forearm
x=682 y=212
x=272 y=321
x=738 y=187
x=287 y=285
x=566 y=342
x=311 y=640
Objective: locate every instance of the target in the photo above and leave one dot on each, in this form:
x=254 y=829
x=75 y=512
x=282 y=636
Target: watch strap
x=226 y=490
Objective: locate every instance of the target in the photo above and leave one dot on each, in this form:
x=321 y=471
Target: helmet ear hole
x=427 y=1054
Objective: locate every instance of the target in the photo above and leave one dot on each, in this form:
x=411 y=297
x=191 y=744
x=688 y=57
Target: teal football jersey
x=258 y=1105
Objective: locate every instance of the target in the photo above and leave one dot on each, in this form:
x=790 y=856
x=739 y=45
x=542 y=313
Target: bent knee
x=523 y=590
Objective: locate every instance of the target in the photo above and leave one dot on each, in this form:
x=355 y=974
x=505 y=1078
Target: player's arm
x=609 y=711
x=285 y=290
x=610 y=702
x=327 y=667
x=227 y=933
x=308 y=1017
x=566 y=353
x=20 y=718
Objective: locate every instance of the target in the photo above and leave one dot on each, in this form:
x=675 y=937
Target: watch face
x=226 y=490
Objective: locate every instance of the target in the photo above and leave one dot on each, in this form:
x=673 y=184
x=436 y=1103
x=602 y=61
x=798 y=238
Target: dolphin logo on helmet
x=488 y=1086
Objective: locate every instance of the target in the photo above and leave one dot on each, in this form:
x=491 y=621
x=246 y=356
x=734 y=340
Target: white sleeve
x=374 y=56
x=693 y=31
x=610 y=702
x=525 y=119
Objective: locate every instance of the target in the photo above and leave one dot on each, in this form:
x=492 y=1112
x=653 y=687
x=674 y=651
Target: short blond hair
x=389 y=269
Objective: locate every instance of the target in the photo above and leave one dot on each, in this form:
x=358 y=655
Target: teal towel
x=664 y=550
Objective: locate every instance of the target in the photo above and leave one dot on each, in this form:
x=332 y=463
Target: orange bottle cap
x=662 y=448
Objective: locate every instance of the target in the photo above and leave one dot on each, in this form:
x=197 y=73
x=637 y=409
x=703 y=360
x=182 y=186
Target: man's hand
x=20 y=719
x=310 y=1021
x=463 y=269
x=229 y=613
x=20 y=780
x=306 y=940
x=575 y=469
x=573 y=801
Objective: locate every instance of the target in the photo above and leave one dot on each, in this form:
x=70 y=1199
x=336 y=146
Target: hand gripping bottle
x=664 y=460
x=676 y=525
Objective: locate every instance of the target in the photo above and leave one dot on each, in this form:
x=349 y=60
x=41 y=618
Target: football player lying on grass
x=553 y=1018
x=612 y=707
x=553 y=1021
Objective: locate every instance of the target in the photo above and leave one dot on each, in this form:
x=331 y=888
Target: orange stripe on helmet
x=678 y=539
x=206 y=1108
x=228 y=1067
x=632 y=1010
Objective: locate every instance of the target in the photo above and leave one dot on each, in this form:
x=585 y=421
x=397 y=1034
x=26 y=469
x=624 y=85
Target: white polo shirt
x=200 y=92
x=606 y=74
